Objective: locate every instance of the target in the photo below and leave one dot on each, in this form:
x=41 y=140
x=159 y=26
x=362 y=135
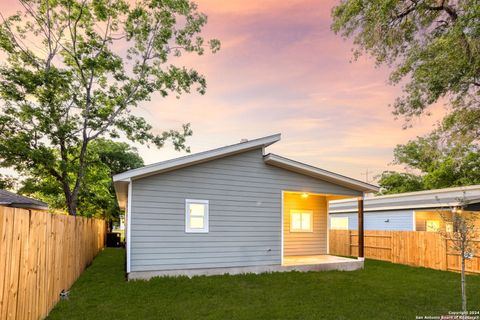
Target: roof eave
x=196 y=158
x=306 y=169
x=395 y=208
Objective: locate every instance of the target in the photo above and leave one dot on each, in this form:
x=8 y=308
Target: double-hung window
x=339 y=223
x=301 y=221
x=196 y=216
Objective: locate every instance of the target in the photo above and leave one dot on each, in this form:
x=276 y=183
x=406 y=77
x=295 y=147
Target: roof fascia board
x=306 y=169
x=431 y=199
x=422 y=206
x=196 y=158
x=425 y=193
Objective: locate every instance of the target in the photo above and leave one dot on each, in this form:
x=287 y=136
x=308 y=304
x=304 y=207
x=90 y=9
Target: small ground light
x=304 y=195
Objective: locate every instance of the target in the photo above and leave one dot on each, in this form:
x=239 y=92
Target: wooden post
x=360 y=229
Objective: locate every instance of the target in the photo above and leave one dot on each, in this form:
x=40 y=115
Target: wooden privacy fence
x=415 y=248
x=42 y=254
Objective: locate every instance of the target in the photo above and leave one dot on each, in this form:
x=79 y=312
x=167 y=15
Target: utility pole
x=367 y=174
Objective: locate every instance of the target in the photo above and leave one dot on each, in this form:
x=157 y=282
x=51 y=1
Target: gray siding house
x=231 y=210
x=411 y=211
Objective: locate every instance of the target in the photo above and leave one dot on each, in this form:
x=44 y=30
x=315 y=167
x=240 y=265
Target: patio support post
x=360 y=230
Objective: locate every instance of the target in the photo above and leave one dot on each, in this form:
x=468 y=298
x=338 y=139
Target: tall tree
x=433 y=163
x=104 y=159
x=432 y=46
x=7 y=182
x=75 y=69
x=392 y=182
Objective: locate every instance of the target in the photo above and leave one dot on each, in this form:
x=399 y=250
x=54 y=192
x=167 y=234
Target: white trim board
x=414 y=217
x=129 y=225
x=302 y=168
x=399 y=207
x=196 y=158
x=281 y=227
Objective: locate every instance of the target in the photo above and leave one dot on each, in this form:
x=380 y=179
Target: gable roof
x=306 y=169
x=121 y=181
x=429 y=199
x=11 y=199
x=196 y=158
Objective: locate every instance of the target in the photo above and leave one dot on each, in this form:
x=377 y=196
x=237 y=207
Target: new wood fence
x=415 y=248
x=42 y=254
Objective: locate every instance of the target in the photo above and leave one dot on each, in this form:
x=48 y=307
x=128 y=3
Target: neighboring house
x=232 y=210
x=10 y=199
x=412 y=211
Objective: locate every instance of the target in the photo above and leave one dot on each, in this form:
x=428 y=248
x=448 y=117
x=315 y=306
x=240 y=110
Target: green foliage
x=398 y=182
x=97 y=198
x=441 y=164
x=75 y=69
x=381 y=290
x=433 y=49
x=7 y=182
x=432 y=46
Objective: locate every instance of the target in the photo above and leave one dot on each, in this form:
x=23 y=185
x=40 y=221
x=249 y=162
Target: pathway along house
x=411 y=211
x=231 y=210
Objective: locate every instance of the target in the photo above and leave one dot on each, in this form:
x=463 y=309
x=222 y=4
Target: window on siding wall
x=432 y=225
x=196 y=216
x=339 y=223
x=301 y=221
x=449 y=227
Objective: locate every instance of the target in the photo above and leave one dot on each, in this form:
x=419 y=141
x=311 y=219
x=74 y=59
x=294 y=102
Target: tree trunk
x=72 y=207
x=464 y=292
x=70 y=200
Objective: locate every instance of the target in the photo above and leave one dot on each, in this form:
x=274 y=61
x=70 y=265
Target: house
x=412 y=211
x=10 y=199
x=231 y=210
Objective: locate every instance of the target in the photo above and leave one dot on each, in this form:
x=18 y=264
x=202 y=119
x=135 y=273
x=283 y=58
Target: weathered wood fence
x=42 y=254
x=415 y=248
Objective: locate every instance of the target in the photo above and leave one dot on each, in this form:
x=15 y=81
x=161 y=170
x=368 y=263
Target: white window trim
x=292 y=212
x=348 y=222
x=205 y=219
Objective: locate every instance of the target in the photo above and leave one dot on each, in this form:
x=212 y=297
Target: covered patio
x=320 y=263
x=305 y=236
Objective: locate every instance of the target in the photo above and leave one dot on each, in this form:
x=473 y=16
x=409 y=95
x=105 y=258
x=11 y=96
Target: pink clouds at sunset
x=281 y=69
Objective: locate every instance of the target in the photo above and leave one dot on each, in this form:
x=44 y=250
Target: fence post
x=349 y=243
x=446 y=254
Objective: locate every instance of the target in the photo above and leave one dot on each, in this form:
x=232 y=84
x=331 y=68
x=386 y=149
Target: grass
x=381 y=291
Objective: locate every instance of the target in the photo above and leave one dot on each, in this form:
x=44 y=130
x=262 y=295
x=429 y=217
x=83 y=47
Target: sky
x=282 y=70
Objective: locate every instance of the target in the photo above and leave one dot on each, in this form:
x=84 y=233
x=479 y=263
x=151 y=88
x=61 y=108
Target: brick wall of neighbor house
x=245 y=198
x=305 y=243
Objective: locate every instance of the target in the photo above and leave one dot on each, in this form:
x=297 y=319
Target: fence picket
x=415 y=248
x=42 y=254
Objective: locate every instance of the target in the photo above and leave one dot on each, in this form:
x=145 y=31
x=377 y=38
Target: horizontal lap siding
x=400 y=220
x=421 y=218
x=244 y=219
x=305 y=243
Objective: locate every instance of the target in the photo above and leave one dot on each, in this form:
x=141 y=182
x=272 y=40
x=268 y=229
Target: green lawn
x=381 y=291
